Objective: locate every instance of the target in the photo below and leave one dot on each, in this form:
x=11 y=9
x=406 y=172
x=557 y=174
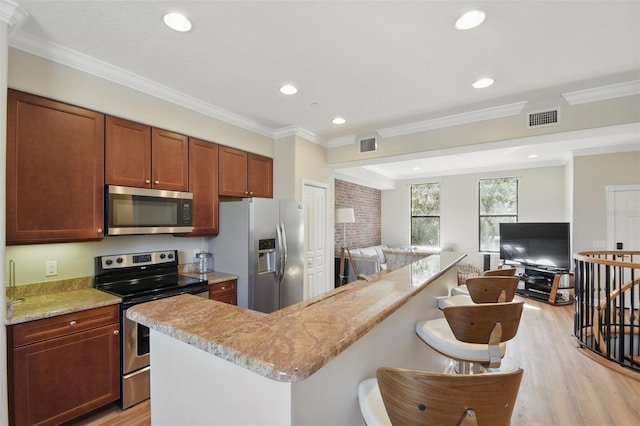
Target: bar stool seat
x=474 y=335
x=371 y=404
x=437 y=334
x=457 y=300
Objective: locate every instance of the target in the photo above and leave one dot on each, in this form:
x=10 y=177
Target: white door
x=623 y=226
x=623 y=217
x=316 y=276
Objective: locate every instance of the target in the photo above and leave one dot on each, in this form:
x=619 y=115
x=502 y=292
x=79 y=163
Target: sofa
x=374 y=259
x=368 y=260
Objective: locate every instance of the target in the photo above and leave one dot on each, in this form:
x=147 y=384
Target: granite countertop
x=49 y=299
x=291 y=344
x=212 y=277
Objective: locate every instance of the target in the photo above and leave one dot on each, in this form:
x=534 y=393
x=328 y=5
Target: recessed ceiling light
x=483 y=82
x=288 y=89
x=533 y=156
x=338 y=120
x=470 y=19
x=177 y=21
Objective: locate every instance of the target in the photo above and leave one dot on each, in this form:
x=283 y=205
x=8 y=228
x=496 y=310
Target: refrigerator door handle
x=282 y=250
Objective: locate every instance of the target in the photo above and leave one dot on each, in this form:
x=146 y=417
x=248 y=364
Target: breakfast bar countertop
x=291 y=344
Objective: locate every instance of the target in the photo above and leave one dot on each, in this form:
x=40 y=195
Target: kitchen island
x=215 y=363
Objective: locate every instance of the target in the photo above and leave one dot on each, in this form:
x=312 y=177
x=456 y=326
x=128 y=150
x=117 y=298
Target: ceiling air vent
x=368 y=145
x=543 y=118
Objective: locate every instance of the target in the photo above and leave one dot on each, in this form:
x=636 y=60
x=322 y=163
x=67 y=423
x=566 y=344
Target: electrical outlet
x=51 y=268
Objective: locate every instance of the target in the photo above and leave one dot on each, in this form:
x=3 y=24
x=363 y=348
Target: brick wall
x=366 y=206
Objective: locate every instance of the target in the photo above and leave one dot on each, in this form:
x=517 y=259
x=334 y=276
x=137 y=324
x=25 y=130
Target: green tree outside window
x=498 y=203
x=425 y=215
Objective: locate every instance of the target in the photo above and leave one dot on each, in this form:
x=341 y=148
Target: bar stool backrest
x=477 y=323
x=492 y=289
x=502 y=272
x=423 y=398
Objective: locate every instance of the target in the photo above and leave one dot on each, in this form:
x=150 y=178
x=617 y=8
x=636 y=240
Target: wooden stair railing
x=607 y=306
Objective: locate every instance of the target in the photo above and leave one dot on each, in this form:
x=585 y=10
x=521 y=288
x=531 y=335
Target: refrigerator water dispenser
x=266 y=256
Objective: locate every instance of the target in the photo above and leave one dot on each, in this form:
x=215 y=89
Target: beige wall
x=591 y=175
x=541 y=197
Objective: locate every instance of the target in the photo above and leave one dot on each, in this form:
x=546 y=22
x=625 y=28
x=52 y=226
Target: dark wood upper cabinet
x=169 y=160
x=203 y=183
x=232 y=172
x=142 y=156
x=55 y=171
x=127 y=153
x=243 y=174
x=260 y=176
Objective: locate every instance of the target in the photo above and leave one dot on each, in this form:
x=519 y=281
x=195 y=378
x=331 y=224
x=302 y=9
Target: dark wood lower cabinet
x=225 y=291
x=56 y=379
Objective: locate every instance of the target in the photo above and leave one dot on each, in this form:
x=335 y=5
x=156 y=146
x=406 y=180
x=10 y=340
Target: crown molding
x=454 y=120
x=284 y=132
x=601 y=93
x=12 y=14
x=90 y=65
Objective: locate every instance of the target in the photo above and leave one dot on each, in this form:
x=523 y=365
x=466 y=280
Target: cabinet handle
x=250 y=192
x=156 y=182
x=147 y=181
x=99 y=230
x=72 y=323
x=223 y=288
x=116 y=332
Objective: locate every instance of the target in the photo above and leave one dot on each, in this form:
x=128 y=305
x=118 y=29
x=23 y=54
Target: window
x=498 y=203
x=425 y=215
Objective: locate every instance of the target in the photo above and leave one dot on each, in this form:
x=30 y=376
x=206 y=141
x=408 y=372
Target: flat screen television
x=543 y=245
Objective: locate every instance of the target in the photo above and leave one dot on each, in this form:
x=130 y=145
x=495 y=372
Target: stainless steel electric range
x=139 y=278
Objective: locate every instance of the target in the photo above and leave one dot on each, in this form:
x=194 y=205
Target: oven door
x=135 y=345
x=136 y=372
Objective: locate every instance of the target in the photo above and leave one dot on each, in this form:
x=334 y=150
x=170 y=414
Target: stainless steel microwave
x=133 y=211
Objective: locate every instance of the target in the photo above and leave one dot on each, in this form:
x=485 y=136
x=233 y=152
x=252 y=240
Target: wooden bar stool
x=500 y=272
x=410 y=397
x=473 y=335
x=489 y=289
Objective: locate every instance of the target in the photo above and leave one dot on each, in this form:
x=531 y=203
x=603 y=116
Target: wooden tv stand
x=544 y=285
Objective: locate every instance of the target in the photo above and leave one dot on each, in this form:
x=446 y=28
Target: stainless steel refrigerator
x=262 y=241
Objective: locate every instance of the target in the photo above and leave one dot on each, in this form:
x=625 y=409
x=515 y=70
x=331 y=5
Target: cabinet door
x=203 y=183
x=232 y=172
x=55 y=171
x=59 y=379
x=224 y=291
x=260 y=176
x=169 y=160
x=127 y=153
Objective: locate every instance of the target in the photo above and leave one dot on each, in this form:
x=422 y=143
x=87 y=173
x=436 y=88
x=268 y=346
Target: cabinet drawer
x=227 y=298
x=221 y=288
x=39 y=330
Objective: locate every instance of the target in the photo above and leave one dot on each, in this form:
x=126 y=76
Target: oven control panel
x=117 y=261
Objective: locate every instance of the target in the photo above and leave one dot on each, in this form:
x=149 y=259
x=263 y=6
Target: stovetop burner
x=141 y=277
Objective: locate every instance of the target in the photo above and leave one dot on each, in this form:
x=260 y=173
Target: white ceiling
x=378 y=64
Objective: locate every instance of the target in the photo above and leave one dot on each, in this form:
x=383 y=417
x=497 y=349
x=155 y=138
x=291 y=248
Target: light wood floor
x=561 y=386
